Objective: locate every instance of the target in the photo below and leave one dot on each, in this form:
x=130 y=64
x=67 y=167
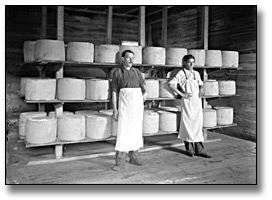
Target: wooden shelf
x=67 y=101
x=220 y=126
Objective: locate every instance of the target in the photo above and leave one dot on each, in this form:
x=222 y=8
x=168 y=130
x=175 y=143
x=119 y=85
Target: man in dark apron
x=128 y=95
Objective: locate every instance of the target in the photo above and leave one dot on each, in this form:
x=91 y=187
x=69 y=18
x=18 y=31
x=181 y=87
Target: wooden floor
x=233 y=162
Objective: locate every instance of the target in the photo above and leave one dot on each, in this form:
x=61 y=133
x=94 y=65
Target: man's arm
x=114 y=105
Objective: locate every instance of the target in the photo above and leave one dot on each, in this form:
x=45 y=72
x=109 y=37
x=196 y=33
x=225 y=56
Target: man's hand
x=115 y=114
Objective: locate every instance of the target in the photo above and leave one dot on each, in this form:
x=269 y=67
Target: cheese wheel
x=150 y=122
x=53 y=113
x=98 y=126
x=230 y=58
x=71 y=127
x=154 y=55
x=41 y=130
x=164 y=90
x=71 y=89
x=80 y=52
x=174 y=56
x=169 y=108
x=209 y=117
x=23 y=119
x=227 y=87
x=85 y=112
x=40 y=89
x=199 y=55
x=106 y=53
x=224 y=115
x=97 y=89
x=49 y=50
x=213 y=58
x=114 y=123
x=152 y=88
x=167 y=121
x=23 y=84
x=210 y=88
x=29 y=48
x=137 y=50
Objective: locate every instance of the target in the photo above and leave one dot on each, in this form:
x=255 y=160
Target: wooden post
x=141 y=31
x=58 y=151
x=60 y=23
x=109 y=26
x=164 y=25
x=44 y=22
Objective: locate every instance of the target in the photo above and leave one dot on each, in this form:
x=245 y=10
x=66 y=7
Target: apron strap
x=186 y=74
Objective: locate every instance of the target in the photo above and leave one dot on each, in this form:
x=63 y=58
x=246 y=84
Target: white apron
x=191 y=119
x=130 y=120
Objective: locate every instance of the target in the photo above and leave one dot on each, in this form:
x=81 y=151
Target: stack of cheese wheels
x=210 y=88
x=166 y=121
x=29 y=48
x=164 y=90
x=80 y=52
x=71 y=127
x=174 y=56
x=40 y=130
x=98 y=126
x=209 y=117
x=150 y=122
x=71 y=89
x=53 y=113
x=224 y=115
x=137 y=50
x=97 y=89
x=106 y=53
x=49 y=50
x=227 y=87
x=86 y=112
x=154 y=55
x=23 y=120
x=114 y=123
x=213 y=58
x=199 y=55
x=230 y=58
x=40 y=89
x=152 y=88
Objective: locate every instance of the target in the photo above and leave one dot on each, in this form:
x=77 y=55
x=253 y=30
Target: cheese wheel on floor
x=230 y=58
x=106 y=53
x=71 y=127
x=209 y=117
x=40 y=89
x=23 y=120
x=97 y=89
x=49 y=50
x=213 y=58
x=40 y=130
x=227 y=87
x=174 y=56
x=150 y=122
x=98 y=126
x=152 y=88
x=224 y=115
x=85 y=112
x=164 y=90
x=167 y=121
x=53 y=113
x=137 y=50
x=114 y=123
x=210 y=88
x=29 y=48
x=154 y=55
x=80 y=52
x=71 y=89
x=199 y=55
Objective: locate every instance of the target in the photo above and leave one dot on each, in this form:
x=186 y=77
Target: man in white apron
x=128 y=92
x=191 y=107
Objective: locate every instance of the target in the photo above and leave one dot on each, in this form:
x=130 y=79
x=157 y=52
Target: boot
x=189 y=146
x=120 y=161
x=199 y=150
x=134 y=158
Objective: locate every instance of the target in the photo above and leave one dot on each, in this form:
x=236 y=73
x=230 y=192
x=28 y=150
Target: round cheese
x=169 y=108
x=230 y=58
x=227 y=87
x=98 y=126
x=53 y=113
x=49 y=50
x=167 y=121
x=97 y=89
x=40 y=130
x=71 y=127
x=23 y=84
x=154 y=55
x=40 y=89
x=199 y=55
x=71 y=89
x=85 y=112
x=209 y=117
x=114 y=123
x=29 y=48
x=213 y=58
x=137 y=50
x=150 y=122
x=210 y=88
x=80 y=52
x=164 y=90
x=106 y=53
x=224 y=115
x=174 y=56
x=152 y=88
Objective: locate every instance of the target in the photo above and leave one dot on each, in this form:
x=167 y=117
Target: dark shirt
x=123 y=78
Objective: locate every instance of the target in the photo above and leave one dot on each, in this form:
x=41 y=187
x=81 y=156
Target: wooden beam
x=109 y=26
x=132 y=10
x=205 y=27
x=141 y=24
x=60 y=23
x=44 y=22
x=164 y=25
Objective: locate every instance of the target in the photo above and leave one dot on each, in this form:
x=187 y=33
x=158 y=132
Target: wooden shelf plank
x=220 y=126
